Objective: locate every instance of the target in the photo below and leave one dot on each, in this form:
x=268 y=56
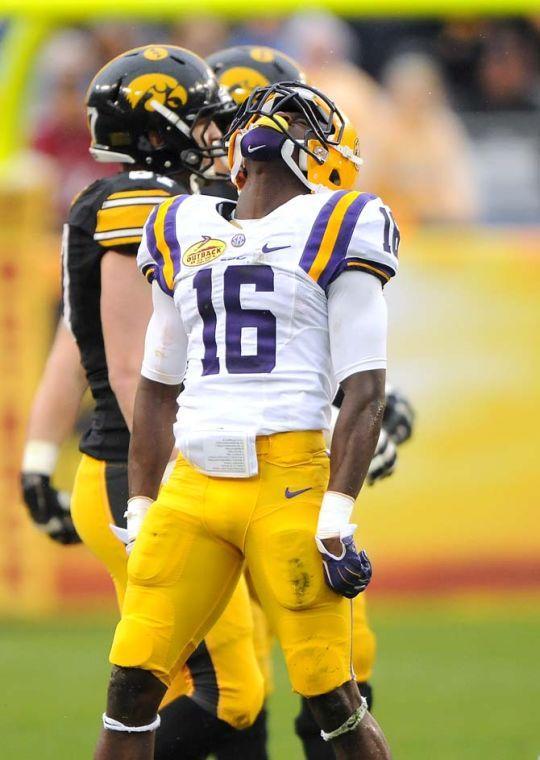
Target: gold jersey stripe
x=135 y=193
x=370 y=267
x=331 y=233
x=119 y=217
x=161 y=243
x=111 y=242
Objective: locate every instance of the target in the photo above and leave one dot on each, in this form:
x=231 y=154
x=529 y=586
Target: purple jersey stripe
x=317 y=231
x=151 y=238
x=155 y=253
x=170 y=233
x=344 y=237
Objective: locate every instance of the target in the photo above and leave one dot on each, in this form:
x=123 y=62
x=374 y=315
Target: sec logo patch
x=238 y=240
x=204 y=251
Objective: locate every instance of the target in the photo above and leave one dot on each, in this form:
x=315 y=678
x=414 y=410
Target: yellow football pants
x=222 y=675
x=190 y=553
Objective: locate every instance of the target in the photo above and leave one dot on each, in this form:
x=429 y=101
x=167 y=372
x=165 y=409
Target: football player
x=149 y=110
x=254 y=309
x=241 y=69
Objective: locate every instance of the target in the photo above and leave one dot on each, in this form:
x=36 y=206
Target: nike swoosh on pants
x=292 y=494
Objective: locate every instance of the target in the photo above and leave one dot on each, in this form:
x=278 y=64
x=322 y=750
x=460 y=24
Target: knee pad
x=134 y=646
x=316 y=667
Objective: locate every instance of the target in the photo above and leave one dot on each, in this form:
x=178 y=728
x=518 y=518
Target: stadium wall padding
x=460 y=512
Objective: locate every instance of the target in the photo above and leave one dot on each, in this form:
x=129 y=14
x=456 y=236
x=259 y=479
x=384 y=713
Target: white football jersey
x=252 y=298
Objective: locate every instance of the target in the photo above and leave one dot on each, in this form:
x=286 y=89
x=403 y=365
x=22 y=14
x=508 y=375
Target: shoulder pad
x=126 y=205
x=348 y=233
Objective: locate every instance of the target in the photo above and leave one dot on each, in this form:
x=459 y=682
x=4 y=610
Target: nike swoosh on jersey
x=253 y=148
x=292 y=494
x=266 y=248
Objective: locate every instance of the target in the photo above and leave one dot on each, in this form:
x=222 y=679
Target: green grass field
x=454 y=681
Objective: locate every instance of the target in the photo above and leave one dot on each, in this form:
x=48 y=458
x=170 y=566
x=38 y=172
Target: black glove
x=384 y=459
x=398 y=419
x=49 y=508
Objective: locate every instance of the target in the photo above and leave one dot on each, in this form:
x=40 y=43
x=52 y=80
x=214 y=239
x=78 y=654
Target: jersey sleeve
x=122 y=214
x=353 y=231
x=159 y=255
x=165 y=347
x=357 y=325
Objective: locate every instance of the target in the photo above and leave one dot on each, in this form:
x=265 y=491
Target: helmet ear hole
x=335 y=178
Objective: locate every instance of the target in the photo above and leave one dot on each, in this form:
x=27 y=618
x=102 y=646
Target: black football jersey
x=107 y=215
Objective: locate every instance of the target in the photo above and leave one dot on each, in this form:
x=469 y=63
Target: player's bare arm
x=356 y=431
x=52 y=418
x=355 y=436
x=126 y=306
x=58 y=397
x=154 y=415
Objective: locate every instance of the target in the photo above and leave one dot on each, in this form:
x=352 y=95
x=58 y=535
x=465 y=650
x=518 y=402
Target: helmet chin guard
x=326 y=157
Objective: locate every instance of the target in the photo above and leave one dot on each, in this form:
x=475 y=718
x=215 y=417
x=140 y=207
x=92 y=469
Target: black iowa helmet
x=242 y=68
x=159 y=89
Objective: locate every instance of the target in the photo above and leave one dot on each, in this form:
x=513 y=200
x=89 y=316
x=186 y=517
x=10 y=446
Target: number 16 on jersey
x=236 y=320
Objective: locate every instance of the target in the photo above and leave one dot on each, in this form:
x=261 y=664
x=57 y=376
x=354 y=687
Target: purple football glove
x=348 y=574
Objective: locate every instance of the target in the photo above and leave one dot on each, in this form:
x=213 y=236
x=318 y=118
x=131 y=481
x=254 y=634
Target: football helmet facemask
x=242 y=68
x=144 y=106
x=325 y=159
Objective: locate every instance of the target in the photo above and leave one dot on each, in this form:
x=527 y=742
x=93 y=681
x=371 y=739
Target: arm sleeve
x=357 y=324
x=165 y=346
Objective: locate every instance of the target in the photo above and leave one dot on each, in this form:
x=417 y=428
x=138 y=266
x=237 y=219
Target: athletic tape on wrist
x=334 y=514
x=40 y=457
x=114 y=725
x=137 y=507
x=350 y=724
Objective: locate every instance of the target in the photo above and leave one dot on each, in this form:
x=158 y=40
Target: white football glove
x=138 y=506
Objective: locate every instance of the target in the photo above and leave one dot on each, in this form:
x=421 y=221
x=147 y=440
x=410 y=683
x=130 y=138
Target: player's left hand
x=384 y=459
x=49 y=508
x=347 y=571
x=398 y=419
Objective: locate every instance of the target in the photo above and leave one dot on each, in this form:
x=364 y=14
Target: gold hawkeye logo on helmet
x=204 y=251
x=240 y=81
x=160 y=87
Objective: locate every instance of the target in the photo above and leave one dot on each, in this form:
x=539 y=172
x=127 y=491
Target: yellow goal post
x=29 y=22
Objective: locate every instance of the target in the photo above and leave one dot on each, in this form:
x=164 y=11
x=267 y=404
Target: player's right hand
x=347 y=571
x=137 y=507
x=49 y=508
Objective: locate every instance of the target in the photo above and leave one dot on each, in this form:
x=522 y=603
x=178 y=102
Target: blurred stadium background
x=446 y=97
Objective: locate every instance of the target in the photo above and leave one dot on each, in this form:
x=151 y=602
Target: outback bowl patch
x=204 y=251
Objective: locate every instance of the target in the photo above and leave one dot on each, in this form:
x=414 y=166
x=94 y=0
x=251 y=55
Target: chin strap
x=350 y=724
